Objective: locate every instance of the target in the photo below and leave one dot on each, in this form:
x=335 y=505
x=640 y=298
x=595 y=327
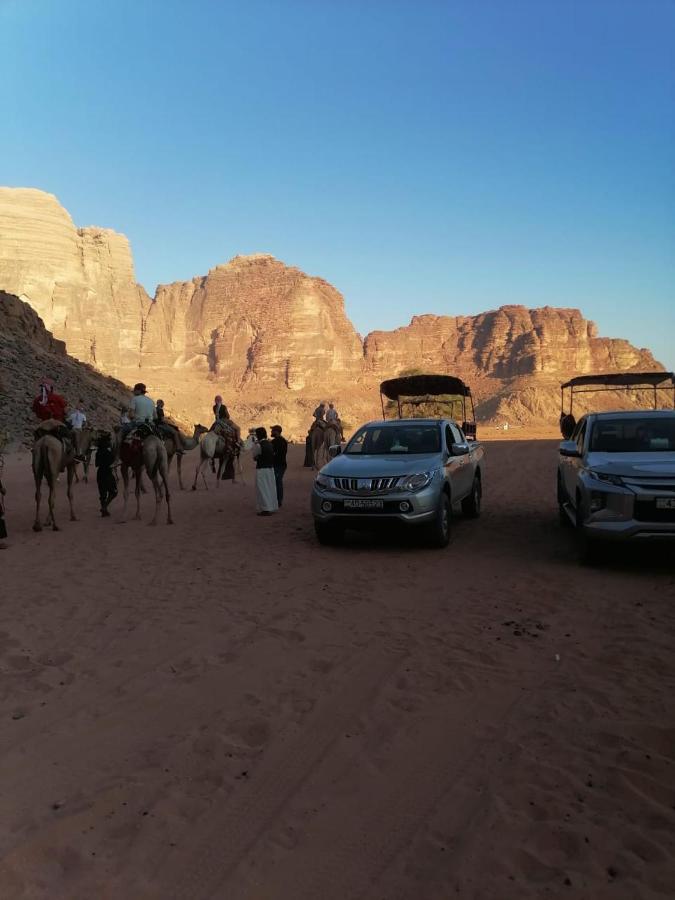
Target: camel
x=212 y=446
x=147 y=453
x=49 y=460
x=188 y=444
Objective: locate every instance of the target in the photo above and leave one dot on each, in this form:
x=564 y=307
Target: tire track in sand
x=233 y=829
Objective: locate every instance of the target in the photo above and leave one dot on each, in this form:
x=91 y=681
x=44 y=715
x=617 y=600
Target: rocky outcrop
x=254 y=324
x=79 y=281
x=507 y=343
x=28 y=352
x=272 y=338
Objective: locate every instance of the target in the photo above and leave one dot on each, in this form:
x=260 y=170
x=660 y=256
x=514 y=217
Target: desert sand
x=225 y=709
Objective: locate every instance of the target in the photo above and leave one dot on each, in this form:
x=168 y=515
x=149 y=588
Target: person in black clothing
x=280 y=447
x=107 y=486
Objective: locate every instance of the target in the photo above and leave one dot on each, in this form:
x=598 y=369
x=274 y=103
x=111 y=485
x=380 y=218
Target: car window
x=633 y=435
x=449 y=440
x=457 y=436
x=396 y=439
x=581 y=434
x=577 y=428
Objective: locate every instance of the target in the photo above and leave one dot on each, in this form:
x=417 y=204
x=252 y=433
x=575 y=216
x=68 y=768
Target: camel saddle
x=55 y=428
x=318 y=423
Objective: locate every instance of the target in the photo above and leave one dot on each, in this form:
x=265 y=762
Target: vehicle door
x=571 y=465
x=463 y=472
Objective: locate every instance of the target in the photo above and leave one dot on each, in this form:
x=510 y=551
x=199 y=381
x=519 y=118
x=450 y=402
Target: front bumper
x=422 y=507
x=625 y=515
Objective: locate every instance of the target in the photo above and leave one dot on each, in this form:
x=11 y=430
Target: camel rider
x=220 y=411
x=333 y=418
x=50 y=406
x=166 y=429
x=141 y=411
x=318 y=414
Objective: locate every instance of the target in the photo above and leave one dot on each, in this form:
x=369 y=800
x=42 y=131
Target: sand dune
x=226 y=709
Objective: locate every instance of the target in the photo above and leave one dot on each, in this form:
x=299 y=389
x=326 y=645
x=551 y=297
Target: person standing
x=105 y=479
x=280 y=448
x=265 y=485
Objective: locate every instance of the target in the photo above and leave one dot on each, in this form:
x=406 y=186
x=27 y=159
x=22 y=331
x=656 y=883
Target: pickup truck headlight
x=323 y=481
x=606 y=478
x=415 y=482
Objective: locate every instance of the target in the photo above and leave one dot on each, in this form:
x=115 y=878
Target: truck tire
x=562 y=512
x=589 y=552
x=329 y=533
x=471 y=504
x=438 y=532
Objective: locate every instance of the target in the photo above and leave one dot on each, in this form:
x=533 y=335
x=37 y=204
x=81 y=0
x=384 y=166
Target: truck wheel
x=329 y=533
x=471 y=504
x=439 y=531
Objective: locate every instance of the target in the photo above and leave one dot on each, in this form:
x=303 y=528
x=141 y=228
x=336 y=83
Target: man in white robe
x=265 y=482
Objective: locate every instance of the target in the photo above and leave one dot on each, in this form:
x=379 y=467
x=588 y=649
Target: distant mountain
x=272 y=338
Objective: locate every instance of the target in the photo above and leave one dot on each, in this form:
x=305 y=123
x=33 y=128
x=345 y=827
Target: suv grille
x=646 y=511
x=365 y=485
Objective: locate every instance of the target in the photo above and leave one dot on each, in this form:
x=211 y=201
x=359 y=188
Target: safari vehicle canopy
x=417 y=390
x=591 y=384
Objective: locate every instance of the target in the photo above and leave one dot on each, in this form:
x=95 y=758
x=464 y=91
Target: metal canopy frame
x=656 y=381
x=416 y=390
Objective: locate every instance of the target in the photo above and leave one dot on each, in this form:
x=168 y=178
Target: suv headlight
x=605 y=477
x=415 y=482
x=323 y=481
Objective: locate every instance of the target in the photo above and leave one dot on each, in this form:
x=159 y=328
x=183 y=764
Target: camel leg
x=125 y=479
x=199 y=471
x=167 y=495
x=158 y=498
x=221 y=463
x=139 y=486
x=69 y=491
x=37 y=526
x=179 y=466
x=51 y=499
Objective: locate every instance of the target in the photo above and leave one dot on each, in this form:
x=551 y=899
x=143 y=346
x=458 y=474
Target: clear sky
x=423 y=156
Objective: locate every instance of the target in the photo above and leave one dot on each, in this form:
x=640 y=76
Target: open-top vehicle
x=616 y=472
x=409 y=471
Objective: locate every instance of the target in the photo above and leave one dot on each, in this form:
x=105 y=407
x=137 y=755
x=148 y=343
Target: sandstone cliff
x=79 y=281
x=28 y=352
x=272 y=338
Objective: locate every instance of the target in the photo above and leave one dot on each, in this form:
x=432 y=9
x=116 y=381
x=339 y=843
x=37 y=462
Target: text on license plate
x=364 y=504
x=665 y=502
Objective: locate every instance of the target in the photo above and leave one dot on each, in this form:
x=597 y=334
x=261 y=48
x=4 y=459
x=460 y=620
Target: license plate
x=364 y=504
x=665 y=502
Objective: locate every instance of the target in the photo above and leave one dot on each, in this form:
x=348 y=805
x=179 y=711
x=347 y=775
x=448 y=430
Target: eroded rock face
x=28 y=352
x=507 y=343
x=254 y=323
x=79 y=281
x=270 y=337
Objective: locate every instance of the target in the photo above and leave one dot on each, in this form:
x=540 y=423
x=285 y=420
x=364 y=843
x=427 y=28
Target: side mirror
x=334 y=450
x=569 y=448
x=460 y=449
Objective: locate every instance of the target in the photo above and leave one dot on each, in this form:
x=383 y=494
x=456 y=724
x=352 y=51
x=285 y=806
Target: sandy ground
x=226 y=709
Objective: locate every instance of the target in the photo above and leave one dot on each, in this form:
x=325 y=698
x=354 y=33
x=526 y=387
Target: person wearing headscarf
x=220 y=411
x=265 y=482
x=48 y=404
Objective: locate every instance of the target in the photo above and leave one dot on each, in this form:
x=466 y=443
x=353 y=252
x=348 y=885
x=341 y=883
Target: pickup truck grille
x=646 y=511
x=365 y=486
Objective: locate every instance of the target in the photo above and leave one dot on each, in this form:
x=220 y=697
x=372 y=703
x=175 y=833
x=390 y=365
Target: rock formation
x=80 y=281
x=271 y=337
x=28 y=352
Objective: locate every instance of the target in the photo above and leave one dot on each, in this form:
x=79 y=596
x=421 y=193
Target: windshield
x=633 y=435
x=378 y=440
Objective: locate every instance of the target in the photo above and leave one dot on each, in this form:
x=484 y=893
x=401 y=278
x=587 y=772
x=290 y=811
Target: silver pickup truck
x=410 y=471
x=616 y=477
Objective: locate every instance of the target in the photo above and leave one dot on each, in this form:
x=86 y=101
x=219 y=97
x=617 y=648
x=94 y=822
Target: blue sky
x=423 y=156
